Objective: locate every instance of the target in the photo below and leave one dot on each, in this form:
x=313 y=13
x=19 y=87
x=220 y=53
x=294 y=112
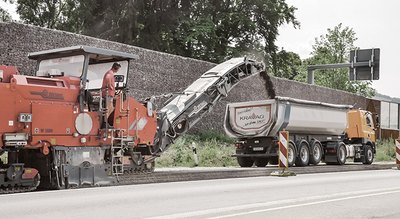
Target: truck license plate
x=258 y=149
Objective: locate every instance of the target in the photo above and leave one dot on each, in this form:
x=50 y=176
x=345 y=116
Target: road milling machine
x=51 y=123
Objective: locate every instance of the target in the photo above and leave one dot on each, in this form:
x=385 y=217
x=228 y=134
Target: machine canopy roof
x=96 y=54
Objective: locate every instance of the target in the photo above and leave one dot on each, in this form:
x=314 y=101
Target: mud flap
x=330 y=152
x=85 y=175
x=82 y=167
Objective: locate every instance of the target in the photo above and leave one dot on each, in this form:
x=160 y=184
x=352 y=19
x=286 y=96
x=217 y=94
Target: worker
x=108 y=88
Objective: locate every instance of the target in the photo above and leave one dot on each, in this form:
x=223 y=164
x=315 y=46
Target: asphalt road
x=359 y=194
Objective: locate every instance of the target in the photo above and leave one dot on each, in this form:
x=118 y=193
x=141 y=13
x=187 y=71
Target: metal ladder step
x=118 y=165
x=117 y=145
x=116 y=148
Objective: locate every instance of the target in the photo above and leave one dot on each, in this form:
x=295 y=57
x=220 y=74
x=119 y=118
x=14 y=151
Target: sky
x=10 y=8
x=374 y=22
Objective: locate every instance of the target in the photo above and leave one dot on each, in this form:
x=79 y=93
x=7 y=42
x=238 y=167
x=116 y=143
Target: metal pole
x=310 y=76
x=194 y=149
x=83 y=82
x=312 y=68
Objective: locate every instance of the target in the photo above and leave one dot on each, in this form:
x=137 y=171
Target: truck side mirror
x=377 y=121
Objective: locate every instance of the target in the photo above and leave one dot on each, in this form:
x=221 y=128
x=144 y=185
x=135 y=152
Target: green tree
x=4 y=15
x=216 y=30
x=55 y=14
x=288 y=65
x=211 y=30
x=334 y=47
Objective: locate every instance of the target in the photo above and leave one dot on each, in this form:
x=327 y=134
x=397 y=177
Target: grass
x=3 y=158
x=213 y=150
x=385 y=150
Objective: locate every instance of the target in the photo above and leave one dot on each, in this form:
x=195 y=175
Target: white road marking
x=306 y=204
x=289 y=203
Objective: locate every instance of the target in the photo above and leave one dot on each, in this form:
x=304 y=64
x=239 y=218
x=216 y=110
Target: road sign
x=283 y=156
x=398 y=153
x=364 y=64
x=283 y=149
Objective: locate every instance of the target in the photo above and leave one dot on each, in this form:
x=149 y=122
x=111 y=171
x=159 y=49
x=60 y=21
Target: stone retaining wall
x=157 y=73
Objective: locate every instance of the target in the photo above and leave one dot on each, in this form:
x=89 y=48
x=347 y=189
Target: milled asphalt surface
x=162 y=175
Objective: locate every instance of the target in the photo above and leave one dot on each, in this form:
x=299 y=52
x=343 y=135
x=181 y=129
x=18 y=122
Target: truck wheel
x=245 y=161
x=341 y=154
x=291 y=154
x=273 y=161
x=261 y=162
x=368 y=155
x=304 y=155
x=316 y=149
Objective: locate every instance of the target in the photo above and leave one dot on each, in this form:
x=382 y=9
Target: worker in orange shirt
x=108 y=88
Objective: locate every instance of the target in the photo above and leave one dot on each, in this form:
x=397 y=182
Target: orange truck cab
x=360 y=125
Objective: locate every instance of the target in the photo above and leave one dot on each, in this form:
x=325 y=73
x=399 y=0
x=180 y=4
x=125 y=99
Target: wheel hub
x=369 y=153
x=303 y=154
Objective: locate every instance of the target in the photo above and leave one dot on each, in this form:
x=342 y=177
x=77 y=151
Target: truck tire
x=341 y=154
x=261 y=162
x=316 y=156
x=368 y=155
x=245 y=161
x=304 y=155
x=291 y=154
x=274 y=161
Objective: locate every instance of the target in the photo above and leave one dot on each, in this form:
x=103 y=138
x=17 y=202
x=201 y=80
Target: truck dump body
x=318 y=132
x=268 y=117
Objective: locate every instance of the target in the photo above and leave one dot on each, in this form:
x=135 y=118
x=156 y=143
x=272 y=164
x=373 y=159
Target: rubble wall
x=156 y=73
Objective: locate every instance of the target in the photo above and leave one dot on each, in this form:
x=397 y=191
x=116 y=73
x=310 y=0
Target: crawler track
x=10 y=190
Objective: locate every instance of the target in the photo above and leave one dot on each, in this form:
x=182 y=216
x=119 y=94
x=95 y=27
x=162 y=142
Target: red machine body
x=44 y=117
x=54 y=108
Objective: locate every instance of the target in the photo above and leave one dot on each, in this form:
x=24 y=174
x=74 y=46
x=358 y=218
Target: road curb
x=193 y=174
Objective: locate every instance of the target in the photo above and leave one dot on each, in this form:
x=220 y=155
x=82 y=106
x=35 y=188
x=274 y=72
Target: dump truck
x=317 y=132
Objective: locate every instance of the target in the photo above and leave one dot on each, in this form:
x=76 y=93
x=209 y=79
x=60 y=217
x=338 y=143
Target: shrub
x=385 y=150
x=3 y=157
x=213 y=150
x=213 y=135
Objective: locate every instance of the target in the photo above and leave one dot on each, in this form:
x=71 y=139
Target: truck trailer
x=318 y=132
